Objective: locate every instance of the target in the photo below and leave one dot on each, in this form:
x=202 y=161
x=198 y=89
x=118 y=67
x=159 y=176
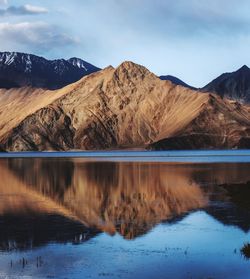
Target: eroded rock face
x=49 y=129
x=127 y=107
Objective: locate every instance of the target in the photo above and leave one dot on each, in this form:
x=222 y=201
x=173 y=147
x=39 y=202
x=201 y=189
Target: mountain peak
x=77 y=62
x=130 y=71
x=244 y=68
x=234 y=85
x=132 y=68
x=129 y=65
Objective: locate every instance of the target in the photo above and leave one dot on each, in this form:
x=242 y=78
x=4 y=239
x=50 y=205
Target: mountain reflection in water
x=62 y=200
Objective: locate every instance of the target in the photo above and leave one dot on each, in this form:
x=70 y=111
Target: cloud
x=173 y=19
x=35 y=9
x=23 y=10
x=39 y=37
x=169 y=37
x=3 y=2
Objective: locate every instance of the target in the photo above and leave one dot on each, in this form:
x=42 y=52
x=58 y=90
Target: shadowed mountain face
x=85 y=198
x=235 y=85
x=220 y=125
x=126 y=107
x=176 y=81
x=20 y=69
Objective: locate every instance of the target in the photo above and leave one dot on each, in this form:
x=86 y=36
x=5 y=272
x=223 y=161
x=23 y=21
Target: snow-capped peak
x=22 y=69
x=77 y=62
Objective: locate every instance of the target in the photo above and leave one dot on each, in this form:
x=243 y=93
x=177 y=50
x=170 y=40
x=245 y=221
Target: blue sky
x=195 y=40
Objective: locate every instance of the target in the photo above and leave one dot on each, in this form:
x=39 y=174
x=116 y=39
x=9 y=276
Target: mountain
x=235 y=85
x=176 y=81
x=20 y=69
x=126 y=107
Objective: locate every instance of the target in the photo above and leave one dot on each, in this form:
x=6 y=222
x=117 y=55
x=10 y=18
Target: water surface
x=194 y=156
x=80 y=218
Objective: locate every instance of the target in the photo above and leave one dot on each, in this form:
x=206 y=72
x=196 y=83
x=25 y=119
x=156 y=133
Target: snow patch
x=28 y=64
x=78 y=63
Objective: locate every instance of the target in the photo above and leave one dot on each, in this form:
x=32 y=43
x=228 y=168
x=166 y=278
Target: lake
x=125 y=215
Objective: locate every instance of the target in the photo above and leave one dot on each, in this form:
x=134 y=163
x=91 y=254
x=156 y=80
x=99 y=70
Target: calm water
x=195 y=156
x=76 y=218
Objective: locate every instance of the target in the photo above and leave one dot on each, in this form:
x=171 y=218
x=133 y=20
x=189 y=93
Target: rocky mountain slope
x=126 y=107
x=17 y=103
x=20 y=69
x=220 y=125
x=235 y=85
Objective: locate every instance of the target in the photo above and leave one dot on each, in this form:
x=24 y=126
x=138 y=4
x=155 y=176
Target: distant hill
x=235 y=85
x=176 y=81
x=21 y=69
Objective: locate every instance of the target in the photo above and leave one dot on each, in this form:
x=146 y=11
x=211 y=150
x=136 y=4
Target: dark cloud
x=23 y=10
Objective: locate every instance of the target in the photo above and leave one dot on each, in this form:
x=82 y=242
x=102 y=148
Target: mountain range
x=20 y=69
x=117 y=108
x=234 y=86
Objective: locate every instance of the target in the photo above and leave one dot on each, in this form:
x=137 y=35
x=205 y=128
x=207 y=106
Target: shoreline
x=180 y=156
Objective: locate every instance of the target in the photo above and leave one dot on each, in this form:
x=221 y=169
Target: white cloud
x=3 y=2
x=23 y=10
x=33 y=37
x=35 y=9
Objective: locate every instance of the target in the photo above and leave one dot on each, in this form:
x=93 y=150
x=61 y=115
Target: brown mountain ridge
x=123 y=107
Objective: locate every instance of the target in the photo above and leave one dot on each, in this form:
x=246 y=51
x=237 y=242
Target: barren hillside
x=126 y=107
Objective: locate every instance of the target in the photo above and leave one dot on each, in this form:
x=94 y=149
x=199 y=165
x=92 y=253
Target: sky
x=195 y=40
